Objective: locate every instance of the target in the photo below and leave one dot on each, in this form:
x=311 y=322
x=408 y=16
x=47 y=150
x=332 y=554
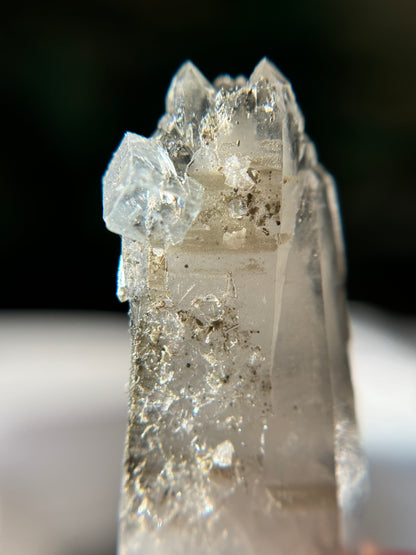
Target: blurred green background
x=76 y=75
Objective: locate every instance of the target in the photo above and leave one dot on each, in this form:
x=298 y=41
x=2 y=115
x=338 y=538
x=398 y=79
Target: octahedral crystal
x=241 y=435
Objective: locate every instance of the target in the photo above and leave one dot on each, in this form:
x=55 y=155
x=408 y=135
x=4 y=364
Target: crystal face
x=143 y=197
x=241 y=435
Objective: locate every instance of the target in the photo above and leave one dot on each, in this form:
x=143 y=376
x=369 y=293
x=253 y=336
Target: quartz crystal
x=241 y=435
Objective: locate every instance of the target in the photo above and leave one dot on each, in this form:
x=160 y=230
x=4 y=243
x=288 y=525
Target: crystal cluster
x=241 y=434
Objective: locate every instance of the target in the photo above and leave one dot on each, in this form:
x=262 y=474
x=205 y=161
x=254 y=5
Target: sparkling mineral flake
x=241 y=435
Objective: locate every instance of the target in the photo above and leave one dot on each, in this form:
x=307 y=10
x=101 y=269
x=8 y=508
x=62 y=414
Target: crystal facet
x=143 y=197
x=241 y=435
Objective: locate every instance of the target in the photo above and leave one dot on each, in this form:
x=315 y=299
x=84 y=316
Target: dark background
x=76 y=75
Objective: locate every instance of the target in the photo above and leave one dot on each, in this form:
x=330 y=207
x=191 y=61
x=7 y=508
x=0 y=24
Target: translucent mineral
x=241 y=435
x=143 y=197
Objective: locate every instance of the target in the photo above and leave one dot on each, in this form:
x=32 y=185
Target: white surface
x=63 y=410
x=384 y=373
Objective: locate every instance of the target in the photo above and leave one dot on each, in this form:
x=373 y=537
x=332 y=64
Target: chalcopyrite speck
x=241 y=436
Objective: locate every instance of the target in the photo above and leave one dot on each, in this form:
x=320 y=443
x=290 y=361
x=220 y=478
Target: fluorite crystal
x=241 y=435
x=143 y=196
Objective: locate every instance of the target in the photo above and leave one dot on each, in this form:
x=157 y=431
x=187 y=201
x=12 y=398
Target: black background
x=76 y=75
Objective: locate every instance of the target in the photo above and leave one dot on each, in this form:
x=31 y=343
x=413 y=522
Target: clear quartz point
x=241 y=436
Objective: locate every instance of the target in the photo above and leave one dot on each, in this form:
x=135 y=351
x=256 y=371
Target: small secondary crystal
x=241 y=427
x=143 y=197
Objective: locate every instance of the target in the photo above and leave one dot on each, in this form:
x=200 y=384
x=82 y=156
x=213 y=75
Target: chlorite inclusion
x=241 y=435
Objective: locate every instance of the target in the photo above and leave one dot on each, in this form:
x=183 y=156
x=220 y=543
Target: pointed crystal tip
x=188 y=70
x=265 y=69
x=190 y=84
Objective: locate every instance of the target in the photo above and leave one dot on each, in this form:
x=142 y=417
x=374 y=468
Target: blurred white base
x=63 y=408
x=383 y=360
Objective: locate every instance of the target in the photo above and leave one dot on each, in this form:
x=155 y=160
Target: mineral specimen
x=241 y=434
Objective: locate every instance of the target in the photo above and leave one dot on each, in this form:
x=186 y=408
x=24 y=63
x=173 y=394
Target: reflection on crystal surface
x=240 y=386
x=143 y=196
